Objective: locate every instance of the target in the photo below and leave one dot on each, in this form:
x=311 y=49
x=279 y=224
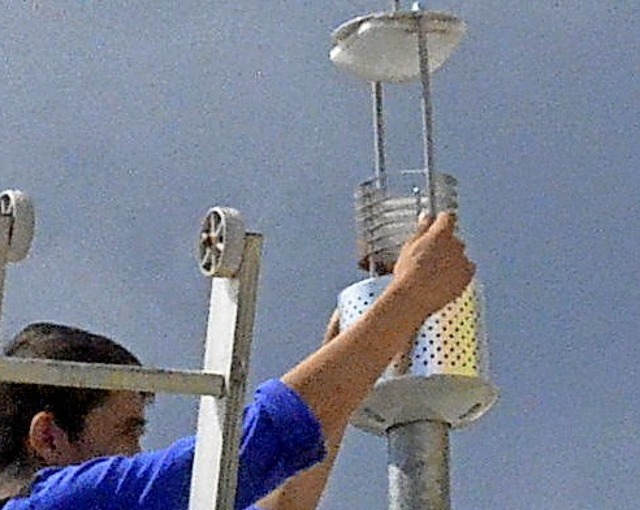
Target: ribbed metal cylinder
x=386 y=216
x=419 y=466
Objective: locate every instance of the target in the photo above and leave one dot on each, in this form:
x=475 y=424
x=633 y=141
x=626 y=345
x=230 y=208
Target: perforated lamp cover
x=443 y=376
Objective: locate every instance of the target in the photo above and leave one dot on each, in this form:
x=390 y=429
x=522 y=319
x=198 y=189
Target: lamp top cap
x=383 y=46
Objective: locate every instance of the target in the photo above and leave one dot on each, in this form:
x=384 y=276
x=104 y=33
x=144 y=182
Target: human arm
x=431 y=271
x=303 y=492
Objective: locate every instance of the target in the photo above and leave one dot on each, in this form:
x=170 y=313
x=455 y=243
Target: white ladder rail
x=229 y=335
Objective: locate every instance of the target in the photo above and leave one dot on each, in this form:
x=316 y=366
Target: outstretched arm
x=431 y=271
x=303 y=491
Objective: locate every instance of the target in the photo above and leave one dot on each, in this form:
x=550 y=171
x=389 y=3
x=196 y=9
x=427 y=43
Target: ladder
x=230 y=257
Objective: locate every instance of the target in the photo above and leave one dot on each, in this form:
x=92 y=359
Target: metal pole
x=378 y=130
x=377 y=99
x=427 y=110
x=110 y=377
x=2 y=278
x=5 y=228
x=419 y=466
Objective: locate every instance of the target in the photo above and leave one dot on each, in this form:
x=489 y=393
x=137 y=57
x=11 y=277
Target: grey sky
x=126 y=120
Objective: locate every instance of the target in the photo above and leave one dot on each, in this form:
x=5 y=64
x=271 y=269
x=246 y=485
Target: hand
x=303 y=491
x=433 y=263
x=333 y=327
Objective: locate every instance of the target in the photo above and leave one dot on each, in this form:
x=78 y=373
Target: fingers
x=471 y=268
x=443 y=224
x=425 y=220
x=466 y=275
x=468 y=272
x=333 y=328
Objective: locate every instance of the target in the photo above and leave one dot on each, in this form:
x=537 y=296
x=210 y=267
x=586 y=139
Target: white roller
x=221 y=242
x=17 y=207
x=17 y=223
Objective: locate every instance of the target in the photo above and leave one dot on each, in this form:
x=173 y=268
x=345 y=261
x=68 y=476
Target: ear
x=49 y=442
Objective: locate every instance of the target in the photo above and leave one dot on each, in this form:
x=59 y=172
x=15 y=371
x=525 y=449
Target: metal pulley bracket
x=18 y=218
x=221 y=243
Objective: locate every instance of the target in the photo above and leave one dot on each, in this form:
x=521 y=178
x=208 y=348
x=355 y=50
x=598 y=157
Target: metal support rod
x=395 y=5
x=419 y=466
x=5 y=229
x=377 y=101
x=3 y=271
x=378 y=130
x=110 y=377
x=427 y=110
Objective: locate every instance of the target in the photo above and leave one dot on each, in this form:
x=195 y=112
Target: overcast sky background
x=126 y=121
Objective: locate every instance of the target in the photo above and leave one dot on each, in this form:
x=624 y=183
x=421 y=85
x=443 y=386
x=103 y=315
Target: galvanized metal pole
x=419 y=466
x=378 y=134
x=377 y=100
x=419 y=451
x=427 y=110
x=412 y=392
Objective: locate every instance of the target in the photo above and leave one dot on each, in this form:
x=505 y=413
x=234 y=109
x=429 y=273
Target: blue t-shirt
x=280 y=437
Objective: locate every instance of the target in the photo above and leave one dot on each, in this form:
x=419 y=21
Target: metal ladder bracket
x=231 y=257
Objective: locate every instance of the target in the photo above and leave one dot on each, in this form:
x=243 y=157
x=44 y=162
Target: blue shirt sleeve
x=280 y=438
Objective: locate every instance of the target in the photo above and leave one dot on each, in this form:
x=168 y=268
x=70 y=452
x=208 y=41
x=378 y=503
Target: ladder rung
x=110 y=377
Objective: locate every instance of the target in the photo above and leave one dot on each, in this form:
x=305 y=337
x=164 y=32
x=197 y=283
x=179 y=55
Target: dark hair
x=19 y=403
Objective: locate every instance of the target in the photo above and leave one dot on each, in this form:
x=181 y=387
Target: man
x=87 y=456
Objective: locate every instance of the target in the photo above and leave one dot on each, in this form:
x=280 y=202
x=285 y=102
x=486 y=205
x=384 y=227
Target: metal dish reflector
x=384 y=46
